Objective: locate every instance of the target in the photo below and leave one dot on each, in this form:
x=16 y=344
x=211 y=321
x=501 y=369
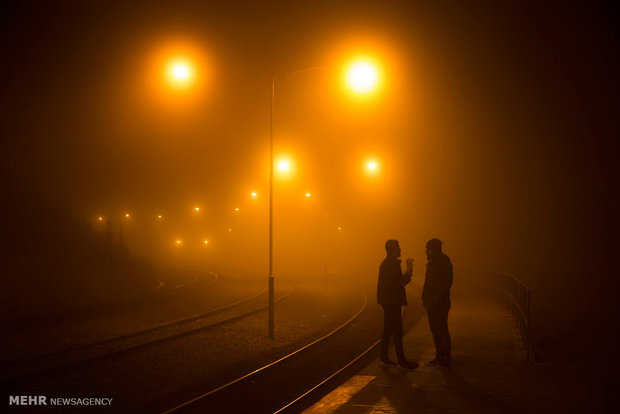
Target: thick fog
x=492 y=131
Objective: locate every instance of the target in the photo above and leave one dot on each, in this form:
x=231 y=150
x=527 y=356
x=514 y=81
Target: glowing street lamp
x=308 y=195
x=372 y=167
x=127 y=215
x=363 y=76
x=284 y=166
x=179 y=242
x=180 y=72
x=196 y=209
x=99 y=218
x=206 y=242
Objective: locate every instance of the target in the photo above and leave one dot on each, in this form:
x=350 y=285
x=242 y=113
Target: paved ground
x=487 y=375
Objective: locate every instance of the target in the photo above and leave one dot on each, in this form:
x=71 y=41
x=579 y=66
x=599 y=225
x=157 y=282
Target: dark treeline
x=53 y=262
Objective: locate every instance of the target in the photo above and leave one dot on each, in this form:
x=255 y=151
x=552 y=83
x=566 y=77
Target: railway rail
x=268 y=388
x=58 y=360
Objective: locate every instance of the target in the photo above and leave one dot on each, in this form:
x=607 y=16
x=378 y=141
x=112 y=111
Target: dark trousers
x=438 y=320
x=392 y=326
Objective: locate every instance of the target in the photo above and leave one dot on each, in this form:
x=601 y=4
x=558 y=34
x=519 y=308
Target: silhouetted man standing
x=391 y=296
x=436 y=299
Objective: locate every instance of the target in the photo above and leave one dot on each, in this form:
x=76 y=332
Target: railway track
x=51 y=362
x=113 y=306
x=185 y=372
x=294 y=380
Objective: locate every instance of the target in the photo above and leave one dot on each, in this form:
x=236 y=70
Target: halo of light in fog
x=285 y=167
x=196 y=209
x=127 y=215
x=206 y=242
x=308 y=195
x=372 y=167
x=236 y=209
x=100 y=218
x=254 y=194
x=180 y=73
x=179 y=242
x=362 y=76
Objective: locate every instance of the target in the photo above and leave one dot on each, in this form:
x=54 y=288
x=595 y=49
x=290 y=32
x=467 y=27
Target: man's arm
x=406 y=277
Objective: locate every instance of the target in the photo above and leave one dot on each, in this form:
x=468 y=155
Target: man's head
x=392 y=248
x=433 y=248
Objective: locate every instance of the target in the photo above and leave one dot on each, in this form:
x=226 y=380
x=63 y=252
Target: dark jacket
x=436 y=292
x=392 y=282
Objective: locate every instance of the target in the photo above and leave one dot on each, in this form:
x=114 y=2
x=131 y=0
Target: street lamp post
x=271 y=173
x=271 y=280
x=362 y=78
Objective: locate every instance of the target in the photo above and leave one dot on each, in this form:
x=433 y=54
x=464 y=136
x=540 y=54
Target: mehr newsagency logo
x=58 y=401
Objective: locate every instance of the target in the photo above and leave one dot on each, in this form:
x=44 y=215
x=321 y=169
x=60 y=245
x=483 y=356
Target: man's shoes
x=388 y=361
x=408 y=364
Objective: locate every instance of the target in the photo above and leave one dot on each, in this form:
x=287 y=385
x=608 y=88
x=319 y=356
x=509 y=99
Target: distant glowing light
x=100 y=218
x=284 y=165
x=254 y=195
x=308 y=195
x=180 y=72
x=362 y=76
x=236 y=208
x=179 y=242
x=127 y=215
x=372 y=167
x=159 y=216
x=206 y=242
x=339 y=228
x=229 y=230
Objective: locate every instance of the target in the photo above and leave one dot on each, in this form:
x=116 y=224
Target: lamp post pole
x=364 y=74
x=271 y=279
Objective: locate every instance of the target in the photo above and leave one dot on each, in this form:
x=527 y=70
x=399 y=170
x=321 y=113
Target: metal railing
x=517 y=298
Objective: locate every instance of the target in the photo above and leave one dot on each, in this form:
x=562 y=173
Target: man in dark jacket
x=436 y=299
x=391 y=296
